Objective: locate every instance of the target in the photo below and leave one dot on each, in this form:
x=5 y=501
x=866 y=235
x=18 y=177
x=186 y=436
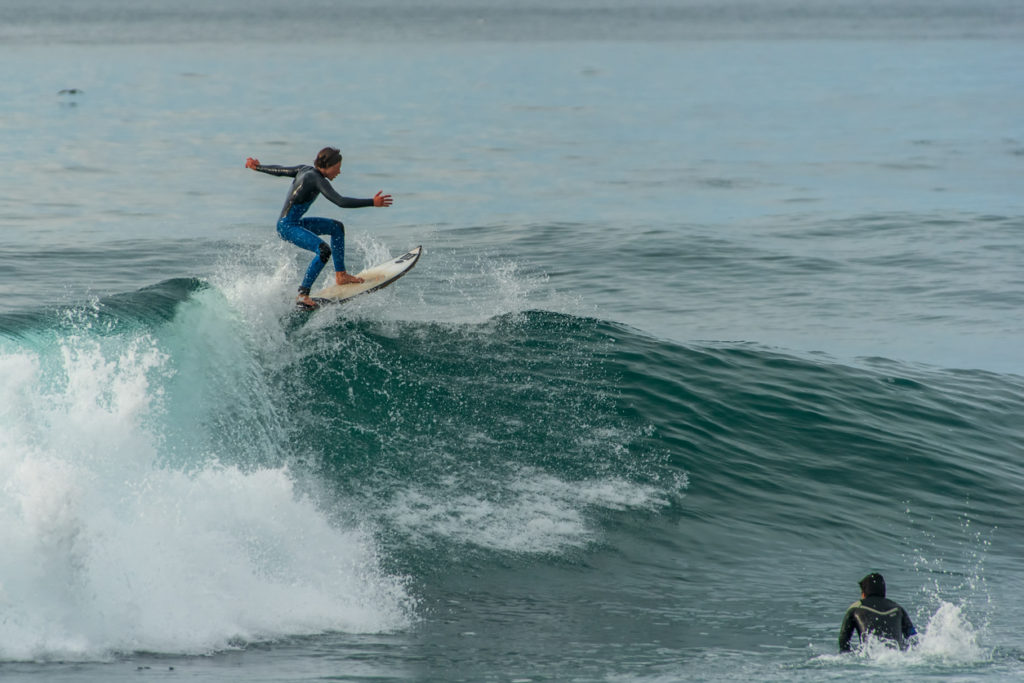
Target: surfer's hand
x=252 y=163
x=381 y=199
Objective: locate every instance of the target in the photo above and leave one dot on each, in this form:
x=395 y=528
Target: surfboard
x=377 y=277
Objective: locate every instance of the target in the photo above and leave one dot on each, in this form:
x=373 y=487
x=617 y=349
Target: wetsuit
x=309 y=184
x=880 y=617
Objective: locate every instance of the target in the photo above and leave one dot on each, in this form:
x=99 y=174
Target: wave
x=184 y=471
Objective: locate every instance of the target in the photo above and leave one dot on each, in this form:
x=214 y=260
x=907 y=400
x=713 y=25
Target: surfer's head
x=873 y=584
x=328 y=162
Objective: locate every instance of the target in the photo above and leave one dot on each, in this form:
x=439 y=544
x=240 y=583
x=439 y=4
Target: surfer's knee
x=325 y=252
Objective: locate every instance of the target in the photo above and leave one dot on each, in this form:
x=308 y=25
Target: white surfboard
x=377 y=277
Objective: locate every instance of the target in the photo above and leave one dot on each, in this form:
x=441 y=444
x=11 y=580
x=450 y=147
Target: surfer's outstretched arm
x=255 y=165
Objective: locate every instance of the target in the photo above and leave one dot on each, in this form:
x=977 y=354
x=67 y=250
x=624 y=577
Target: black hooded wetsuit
x=309 y=184
x=878 y=616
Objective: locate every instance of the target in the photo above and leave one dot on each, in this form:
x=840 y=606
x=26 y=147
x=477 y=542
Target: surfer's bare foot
x=304 y=300
x=343 y=278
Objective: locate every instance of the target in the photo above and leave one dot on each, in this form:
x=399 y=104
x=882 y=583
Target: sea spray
x=108 y=548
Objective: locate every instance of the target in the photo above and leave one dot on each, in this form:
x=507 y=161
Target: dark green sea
x=719 y=311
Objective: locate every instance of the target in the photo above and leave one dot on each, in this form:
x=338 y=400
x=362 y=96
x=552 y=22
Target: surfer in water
x=876 y=615
x=311 y=182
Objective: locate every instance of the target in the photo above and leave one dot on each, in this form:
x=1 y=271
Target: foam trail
x=539 y=513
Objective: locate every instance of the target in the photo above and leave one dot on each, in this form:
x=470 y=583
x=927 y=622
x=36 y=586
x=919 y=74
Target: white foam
x=534 y=513
x=105 y=550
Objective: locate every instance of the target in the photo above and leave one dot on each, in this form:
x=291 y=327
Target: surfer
x=311 y=182
x=876 y=615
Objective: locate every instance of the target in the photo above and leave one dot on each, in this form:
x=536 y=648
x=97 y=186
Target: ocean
x=719 y=311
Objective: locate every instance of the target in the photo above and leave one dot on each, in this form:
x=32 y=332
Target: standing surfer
x=311 y=182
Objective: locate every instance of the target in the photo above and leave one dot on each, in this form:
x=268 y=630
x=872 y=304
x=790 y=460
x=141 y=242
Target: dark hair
x=327 y=157
x=873 y=584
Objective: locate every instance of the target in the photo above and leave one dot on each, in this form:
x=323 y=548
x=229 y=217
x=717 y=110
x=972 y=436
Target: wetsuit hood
x=873 y=584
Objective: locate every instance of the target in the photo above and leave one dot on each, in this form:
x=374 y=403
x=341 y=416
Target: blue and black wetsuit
x=878 y=616
x=309 y=184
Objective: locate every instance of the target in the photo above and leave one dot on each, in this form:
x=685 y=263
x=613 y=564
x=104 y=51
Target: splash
x=950 y=638
x=107 y=549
